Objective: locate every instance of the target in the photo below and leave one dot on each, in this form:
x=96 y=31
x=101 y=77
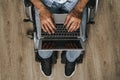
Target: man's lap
x=56 y=7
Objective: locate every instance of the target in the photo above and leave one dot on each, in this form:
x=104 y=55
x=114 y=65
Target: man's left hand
x=72 y=22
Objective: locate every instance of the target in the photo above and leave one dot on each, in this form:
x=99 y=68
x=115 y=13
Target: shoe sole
x=72 y=73
x=44 y=73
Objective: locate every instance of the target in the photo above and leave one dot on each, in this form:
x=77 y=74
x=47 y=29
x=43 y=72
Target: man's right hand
x=46 y=18
x=47 y=22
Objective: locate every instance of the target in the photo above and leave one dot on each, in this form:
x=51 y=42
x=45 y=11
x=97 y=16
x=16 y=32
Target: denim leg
x=72 y=55
x=45 y=54
x=69 y=5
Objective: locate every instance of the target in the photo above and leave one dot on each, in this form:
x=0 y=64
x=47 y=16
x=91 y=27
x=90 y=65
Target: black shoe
x=69 y=68
x=46 y=66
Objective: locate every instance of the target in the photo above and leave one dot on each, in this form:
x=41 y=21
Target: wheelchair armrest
x=28 y=10
x=92 y=10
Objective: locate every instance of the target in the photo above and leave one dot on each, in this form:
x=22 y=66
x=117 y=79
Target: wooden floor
x=102 y=59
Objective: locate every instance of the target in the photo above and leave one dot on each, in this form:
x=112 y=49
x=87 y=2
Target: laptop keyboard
x=61 y=31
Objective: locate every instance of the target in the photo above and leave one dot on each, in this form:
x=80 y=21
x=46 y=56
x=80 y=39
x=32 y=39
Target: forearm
x=39 y=5
x=78 y=9
x=81 y=5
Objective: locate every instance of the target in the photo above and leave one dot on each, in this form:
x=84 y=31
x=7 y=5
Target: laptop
x=61 y=40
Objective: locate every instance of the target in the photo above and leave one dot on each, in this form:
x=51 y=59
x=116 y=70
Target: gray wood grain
x=101 y=62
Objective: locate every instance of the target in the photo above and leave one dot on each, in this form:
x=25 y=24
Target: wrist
x=39 y=6
x=77 y=13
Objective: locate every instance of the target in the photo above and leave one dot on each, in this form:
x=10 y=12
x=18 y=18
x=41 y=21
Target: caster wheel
x=30 y=34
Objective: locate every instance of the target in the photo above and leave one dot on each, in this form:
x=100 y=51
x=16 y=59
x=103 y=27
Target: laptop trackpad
x=61 y=44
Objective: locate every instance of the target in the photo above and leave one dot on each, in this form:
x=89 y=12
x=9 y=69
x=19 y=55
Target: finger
x=77 y=27
x=66 y=20
x=43 y=28
x=47 y=29
x=68 y=25
x=70 y=29
x=52 y=26
x=74 y=28
x=44 y=25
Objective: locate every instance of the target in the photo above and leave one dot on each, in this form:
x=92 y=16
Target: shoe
x=46 y=66
x=69 y=68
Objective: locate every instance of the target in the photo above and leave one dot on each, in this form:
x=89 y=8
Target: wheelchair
x=30 y=13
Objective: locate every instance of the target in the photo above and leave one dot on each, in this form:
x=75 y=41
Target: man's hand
x=73 y=19
x=47 y=22
x=72 y=22
x=46 y=17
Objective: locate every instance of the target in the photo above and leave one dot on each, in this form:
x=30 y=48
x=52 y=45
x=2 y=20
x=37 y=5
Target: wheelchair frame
x=30 y=14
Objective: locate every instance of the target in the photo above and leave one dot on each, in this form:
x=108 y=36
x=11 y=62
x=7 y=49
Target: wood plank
x=17 y=59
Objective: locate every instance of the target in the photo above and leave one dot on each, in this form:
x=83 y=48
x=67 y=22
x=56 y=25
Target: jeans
x=71 y=56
